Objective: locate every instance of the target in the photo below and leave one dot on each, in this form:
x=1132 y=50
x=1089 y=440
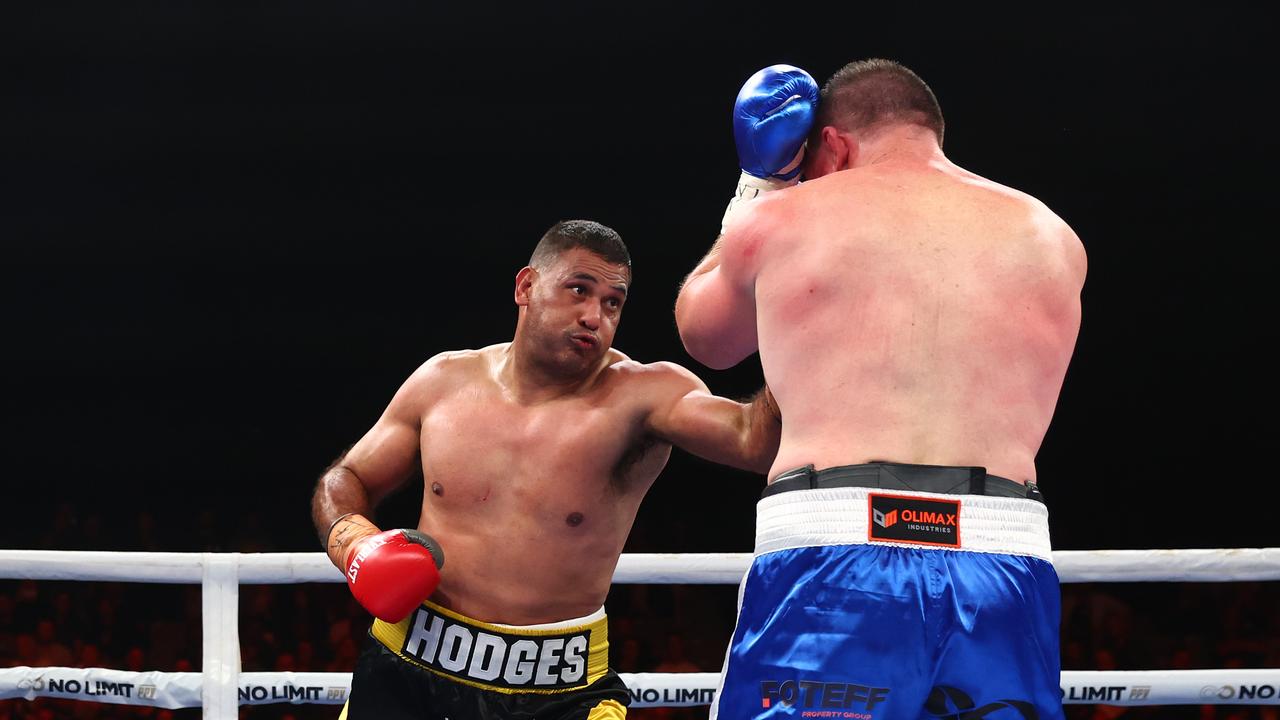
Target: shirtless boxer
x=535 y=455
x=914 y=322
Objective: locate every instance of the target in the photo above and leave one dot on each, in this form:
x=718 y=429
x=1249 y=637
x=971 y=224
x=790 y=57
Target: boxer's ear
x=842 y=146
x=524 y=285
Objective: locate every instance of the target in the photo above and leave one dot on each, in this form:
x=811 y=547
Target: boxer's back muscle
x=919 y=315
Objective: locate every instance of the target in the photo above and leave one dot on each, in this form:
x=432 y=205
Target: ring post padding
x=221 y=654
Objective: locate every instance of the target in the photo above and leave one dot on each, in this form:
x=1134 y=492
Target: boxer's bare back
x=906 y=310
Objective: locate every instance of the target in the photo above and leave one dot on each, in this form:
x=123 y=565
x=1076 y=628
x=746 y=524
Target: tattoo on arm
x=329 y=533
x=353 y=529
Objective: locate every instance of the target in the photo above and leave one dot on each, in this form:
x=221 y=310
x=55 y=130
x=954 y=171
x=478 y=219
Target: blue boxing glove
x=771 y=120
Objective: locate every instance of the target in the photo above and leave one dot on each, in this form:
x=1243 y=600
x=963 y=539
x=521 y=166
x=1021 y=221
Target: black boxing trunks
x=439 y=665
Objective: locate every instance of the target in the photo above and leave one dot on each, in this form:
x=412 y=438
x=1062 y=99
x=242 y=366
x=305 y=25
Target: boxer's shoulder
x=457 y=363
x=769 y=211
x=652 y=381
x=1046 y=244
x=766 y=224
x=449 y=371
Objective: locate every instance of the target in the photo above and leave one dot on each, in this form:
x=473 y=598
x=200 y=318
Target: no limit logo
x=829 y=695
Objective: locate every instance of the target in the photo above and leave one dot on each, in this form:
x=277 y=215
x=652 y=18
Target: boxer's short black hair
x=867 y=92
x=568 y=234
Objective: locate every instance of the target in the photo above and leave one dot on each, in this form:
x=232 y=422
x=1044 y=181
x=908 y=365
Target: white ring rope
x=1221 y=565
x=180 y=690
x=221 y=689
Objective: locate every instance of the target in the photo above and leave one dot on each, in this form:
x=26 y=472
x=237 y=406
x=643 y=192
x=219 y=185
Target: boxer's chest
x=484 y=448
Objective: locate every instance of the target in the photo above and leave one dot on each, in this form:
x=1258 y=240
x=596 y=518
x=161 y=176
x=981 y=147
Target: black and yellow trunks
x=437 y=664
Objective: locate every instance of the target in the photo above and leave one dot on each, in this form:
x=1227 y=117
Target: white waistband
x=841 y=516
x=573 y=623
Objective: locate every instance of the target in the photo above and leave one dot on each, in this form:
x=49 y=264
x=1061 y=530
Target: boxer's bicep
x=384 y=458
x=388 y=454
x=687 y=415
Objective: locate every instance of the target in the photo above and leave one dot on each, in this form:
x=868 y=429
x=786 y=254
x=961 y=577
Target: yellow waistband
x=504 y=658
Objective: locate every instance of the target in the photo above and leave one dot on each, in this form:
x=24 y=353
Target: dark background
x=228 y=231
x=231 y=230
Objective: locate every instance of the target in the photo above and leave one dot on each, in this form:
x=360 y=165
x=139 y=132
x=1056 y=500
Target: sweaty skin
x=536 y=453
x=905 y=310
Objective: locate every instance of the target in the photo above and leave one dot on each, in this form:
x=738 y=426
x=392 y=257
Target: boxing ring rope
x=221 y=688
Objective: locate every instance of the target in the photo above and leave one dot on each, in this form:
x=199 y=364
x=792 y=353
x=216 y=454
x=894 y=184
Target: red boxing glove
x=391 y=573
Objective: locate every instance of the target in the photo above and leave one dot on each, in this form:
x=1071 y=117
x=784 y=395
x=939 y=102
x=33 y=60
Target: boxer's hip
x=871 y=587
x=921 y=506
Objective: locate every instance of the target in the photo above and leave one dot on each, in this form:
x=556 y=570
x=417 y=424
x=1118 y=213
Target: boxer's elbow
x=699 y=337
x=716 y=325
x=718 y=350
x=692 y=336
x=707 y=350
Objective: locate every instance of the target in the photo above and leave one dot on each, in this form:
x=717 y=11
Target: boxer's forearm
x=340 y=493
x=389 y=573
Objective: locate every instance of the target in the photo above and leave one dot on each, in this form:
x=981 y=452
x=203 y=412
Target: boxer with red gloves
x=390 y=573
x=535 y=455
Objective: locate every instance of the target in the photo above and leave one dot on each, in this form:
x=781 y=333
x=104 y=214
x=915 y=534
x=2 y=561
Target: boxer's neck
x=896 y=143
x=529 y=382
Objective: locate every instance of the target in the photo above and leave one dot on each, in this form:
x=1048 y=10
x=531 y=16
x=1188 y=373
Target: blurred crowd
x=653 y=628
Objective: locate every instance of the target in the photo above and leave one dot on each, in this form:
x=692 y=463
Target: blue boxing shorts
x=882 y=604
